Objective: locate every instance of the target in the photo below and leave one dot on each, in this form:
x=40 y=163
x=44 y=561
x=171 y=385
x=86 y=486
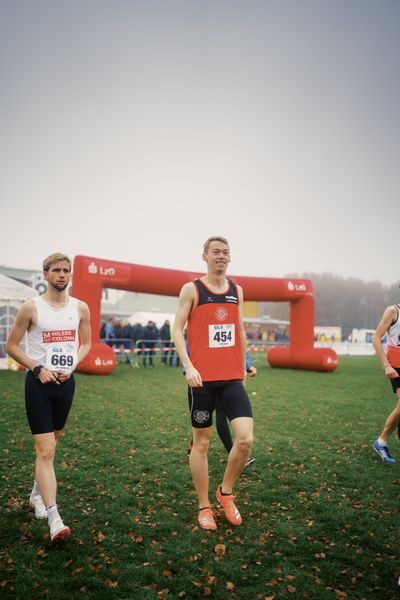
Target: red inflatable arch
x=91 y=275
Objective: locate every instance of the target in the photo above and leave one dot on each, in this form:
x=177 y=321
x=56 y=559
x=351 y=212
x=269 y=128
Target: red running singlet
x=214 y=334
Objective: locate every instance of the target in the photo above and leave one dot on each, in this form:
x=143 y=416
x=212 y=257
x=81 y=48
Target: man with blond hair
x=215 y=368
x=52 y=323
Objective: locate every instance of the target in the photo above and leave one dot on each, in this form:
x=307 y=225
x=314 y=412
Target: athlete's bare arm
x=389 y=317
x=84 y=331
x=187 y=300
x=23 y=321
x=242 y=333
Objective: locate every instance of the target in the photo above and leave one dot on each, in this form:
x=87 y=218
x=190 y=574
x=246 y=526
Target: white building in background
x=361 y=336
x=12 y=295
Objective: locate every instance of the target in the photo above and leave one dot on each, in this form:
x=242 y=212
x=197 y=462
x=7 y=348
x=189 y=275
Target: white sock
x=52 y=513
x=35 y=490
x=381 y=442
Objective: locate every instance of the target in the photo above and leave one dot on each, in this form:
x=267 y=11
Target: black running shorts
x=47 y=405
x=396 y=382
x=231 y=395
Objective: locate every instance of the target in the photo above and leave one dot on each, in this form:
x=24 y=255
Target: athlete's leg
x=198 y=462
x=45 y=444
x=36 y=490
x=243 y=429
x=222 y=426
x=392 y=420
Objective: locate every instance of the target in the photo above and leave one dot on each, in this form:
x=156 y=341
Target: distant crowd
x=258 y=334
x=147 y=339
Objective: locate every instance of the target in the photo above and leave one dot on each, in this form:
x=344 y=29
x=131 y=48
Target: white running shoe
x=59 y=531
x=36 y=502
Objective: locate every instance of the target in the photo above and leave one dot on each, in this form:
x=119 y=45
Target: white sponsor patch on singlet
x=221 y=335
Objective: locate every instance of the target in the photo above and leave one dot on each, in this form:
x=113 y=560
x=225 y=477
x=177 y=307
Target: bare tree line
x=348 y=303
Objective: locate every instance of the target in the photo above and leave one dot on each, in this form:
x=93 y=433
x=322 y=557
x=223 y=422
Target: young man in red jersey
x=212 y=307
x=52 y=323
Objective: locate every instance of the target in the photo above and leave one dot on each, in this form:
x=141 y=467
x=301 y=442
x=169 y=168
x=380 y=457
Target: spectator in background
x=150 y=337
x=126 y=334
x=137 y=336
x=109 y=331
x=165 y=337
x=118 y=331
x=137 y=332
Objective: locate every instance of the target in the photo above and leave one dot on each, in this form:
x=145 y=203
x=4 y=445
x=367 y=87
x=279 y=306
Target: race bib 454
x=221 y=335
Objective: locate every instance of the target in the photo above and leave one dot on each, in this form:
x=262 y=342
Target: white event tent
x=12 y=295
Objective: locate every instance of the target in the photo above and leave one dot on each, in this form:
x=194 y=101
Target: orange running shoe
x=229 y=506
x=206 y=519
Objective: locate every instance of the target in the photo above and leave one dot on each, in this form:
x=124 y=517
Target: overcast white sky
x=133 y=130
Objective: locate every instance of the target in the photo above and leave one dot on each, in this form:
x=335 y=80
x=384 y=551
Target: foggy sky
x=135 y=130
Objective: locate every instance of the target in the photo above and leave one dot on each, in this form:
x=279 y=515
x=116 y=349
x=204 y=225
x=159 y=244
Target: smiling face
x=58 y=275
x=217 y=257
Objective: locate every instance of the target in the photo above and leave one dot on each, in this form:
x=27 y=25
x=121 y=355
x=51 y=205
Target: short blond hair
x=215 y=238
x=53 y=258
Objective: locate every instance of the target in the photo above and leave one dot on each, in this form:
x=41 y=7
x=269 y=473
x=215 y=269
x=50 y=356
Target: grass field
x=320 y=509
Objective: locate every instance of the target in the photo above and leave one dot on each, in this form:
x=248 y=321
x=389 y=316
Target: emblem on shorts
x=221 y=313
x=201 y=416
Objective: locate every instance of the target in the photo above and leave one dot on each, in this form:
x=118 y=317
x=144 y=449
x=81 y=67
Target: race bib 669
x=62 y=360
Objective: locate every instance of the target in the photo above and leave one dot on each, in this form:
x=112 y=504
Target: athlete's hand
x=46 y=376
x=252 y=372
x=63 y=377
x=390 y=372
x=193 y=377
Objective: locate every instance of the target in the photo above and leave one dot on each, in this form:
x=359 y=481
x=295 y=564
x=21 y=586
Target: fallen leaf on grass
x=291 y=589
x=193 y=558
x=220 y=549
x=135 y=538
x=167 y=573
x=100 y=537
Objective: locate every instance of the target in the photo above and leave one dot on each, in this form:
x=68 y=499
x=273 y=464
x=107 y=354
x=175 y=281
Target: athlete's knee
x=244 y=443
x=46 y=450
x=201 y=443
